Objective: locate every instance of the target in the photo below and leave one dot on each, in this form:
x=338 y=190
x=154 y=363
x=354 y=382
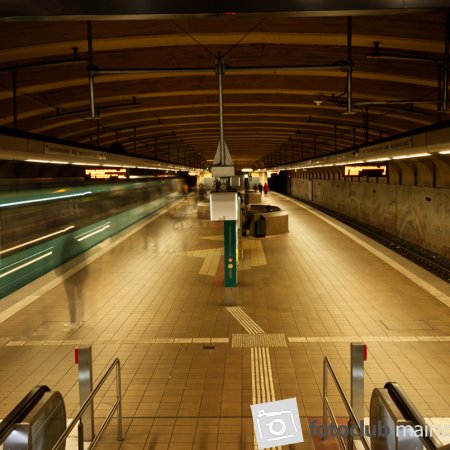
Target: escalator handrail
x=20 y=411
x=409 y=411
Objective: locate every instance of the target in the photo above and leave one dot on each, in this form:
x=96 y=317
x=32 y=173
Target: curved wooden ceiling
x=270 y=115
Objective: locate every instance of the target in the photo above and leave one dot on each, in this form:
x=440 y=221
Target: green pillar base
x=230 y=252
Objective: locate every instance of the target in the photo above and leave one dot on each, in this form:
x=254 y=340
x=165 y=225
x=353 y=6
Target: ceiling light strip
x=24 y=202
x=45 y=255
x=37 y=239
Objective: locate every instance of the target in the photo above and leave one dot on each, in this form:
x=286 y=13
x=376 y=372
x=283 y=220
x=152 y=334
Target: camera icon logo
x=277 y=423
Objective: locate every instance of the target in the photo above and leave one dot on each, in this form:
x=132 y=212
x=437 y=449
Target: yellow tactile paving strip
x=256 y=250
x=153 y=301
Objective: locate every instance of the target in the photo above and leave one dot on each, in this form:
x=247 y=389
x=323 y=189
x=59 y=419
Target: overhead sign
x=106 y=174
x=66 y=150
x=391 y=146
x=379 y=170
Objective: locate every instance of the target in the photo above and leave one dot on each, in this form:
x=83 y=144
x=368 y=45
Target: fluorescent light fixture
x=85 y=164
x=46 y=161
x=379 y=159
x=246 y=169
x=416 y=155
x=445 y=152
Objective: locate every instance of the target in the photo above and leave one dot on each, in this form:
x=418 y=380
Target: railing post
x=119 y=399
x=357 y=351
x=325 y=394
x=350 y=438
x=84 y=353
x=80 y=435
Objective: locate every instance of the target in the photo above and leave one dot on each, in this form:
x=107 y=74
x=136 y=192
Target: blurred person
x=201 y=192
x=74 y=284
x=185 y=190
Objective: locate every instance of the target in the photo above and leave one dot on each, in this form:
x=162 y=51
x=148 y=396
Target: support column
x=350 y=64
x=221 y=137
x=90 y=69
x=14 y=83
x=446 y=62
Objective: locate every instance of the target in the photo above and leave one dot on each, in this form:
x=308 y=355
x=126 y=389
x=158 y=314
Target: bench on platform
x=252 y=197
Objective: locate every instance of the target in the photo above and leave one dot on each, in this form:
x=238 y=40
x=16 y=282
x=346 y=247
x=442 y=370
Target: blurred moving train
x=43 y=228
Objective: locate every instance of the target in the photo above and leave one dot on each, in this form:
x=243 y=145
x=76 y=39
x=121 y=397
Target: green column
x=230 y=252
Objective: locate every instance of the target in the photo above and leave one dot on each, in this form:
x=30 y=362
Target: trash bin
x=260 y=227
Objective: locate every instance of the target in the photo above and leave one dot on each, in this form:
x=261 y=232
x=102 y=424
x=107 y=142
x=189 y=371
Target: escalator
x=21 y=410
x=396 y=424
x=36 y=422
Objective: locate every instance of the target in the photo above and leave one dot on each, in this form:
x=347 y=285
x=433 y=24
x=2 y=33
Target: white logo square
x=277 y=423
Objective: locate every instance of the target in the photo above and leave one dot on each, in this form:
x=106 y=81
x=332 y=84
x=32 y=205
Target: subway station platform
x=194 y=358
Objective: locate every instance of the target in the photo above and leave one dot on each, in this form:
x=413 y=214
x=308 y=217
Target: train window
x=25 y=225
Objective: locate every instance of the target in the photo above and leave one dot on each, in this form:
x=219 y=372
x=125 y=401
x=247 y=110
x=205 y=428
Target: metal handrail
x=117 y=406
x=328 y=411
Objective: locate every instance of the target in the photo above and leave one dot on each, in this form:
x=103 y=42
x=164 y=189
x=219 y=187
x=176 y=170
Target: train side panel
x=118 y=209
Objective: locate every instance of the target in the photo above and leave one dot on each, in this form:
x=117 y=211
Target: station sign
x=366 y=170
x=106 y=174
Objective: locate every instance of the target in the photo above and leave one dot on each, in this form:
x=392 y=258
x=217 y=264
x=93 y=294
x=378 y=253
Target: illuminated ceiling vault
x=294 y=87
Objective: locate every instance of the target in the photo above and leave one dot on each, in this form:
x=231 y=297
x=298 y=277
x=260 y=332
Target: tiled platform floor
x=156 y=301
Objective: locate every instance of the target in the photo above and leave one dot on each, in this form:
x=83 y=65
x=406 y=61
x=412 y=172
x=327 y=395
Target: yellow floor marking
x=253 y=256
x=254 y=252
x=204 y=340
x=218 y=237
